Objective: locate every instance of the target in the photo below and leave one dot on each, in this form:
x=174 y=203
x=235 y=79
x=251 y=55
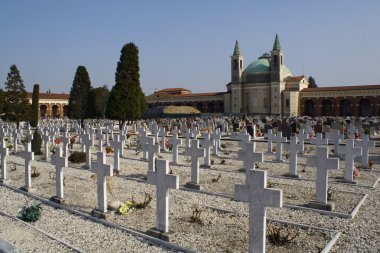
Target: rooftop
x=339 y=88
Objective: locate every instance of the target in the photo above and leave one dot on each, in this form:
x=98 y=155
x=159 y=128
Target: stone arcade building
x=267 y=87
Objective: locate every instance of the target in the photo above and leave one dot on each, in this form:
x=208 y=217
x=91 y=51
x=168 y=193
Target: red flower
x=57 y=141
x=356 y=172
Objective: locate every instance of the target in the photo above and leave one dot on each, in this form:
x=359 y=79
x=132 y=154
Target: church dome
x=262 y=66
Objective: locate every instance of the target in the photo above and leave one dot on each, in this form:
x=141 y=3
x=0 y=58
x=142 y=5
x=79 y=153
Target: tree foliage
x=2 y=95
x=35 y=101
x=312 y=83
x=127 y=101
x=16 y=103
x=78 y=101
x=98 y=99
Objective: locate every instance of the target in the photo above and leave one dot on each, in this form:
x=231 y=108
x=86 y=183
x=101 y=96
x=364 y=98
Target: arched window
x=241 y=64
x=309 y=108
x=281 y=60
x=345 y=107
x=327 y=108
x=235 y=64
x=275 y=60
x=365 y=109
x=43 y=110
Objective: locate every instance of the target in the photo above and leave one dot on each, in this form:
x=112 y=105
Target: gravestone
x=319 y=141
x=323 y=164
x=60 y=162
x=176 y=143
x=88 y=142
x=46 y=138
x=163 y=182
x=335 y=137
x=270 y=136
x=302 y=137
x=349 y=151
x=195 y=152
x=117 y=146
x=207 y=144
x=294 y=149
x=279 y=140
x=102 y=171
x=152 y=150
x=365 y=144
x=28 y=156
x=217 y=137
x=188 y=136
x=259 y=198
x=4 y=153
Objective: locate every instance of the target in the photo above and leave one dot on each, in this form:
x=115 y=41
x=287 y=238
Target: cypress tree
x=36 y=143
x=127 y=101
x=78 y=101
x=16 y=103
x=35 y=101
x=312 y=83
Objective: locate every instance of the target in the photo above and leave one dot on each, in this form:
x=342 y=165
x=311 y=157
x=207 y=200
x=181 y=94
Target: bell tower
x=237 y=64
x=277 y=75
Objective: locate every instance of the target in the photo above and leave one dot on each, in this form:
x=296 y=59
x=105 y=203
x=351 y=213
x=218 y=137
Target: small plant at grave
x=131 y=205
x=52 y=177
x=227 y=152
x=329 y=193
x=270 y=184
x=12 y=166
x=257 y=165
x=138 y=152
x=214 y=180
x=355 y=173
x=109 y=150
x=170 y=170
x=370 y=164
x=72 y=141
x=77 y=157
x=196 y=215
x=25 y=140
x=223 y=145
x=52 y=149
x=30 y=213
x=280 y=234
x=223 y=161
x=287 y=154
x=159 y=156
x=10 y=146
x=303 y=169
x=57 y=141
x=35 y=172
x=273 y=149
x=188 y=159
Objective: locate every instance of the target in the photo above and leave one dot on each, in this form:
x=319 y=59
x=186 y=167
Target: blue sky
x=187 y=43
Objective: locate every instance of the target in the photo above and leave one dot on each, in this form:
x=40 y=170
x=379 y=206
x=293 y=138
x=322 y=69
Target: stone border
x=103 y=222
x=326 y=249
x=75 y=249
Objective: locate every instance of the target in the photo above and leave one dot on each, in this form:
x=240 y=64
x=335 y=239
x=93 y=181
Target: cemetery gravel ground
x=231 y=229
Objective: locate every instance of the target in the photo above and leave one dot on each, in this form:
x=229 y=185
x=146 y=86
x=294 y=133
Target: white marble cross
x=207 y=144
x=335 y=137
x=65 y=143
x=46 y=138
x=28 y=156
x=88 y=142
x=195 y=152
x=4 y=153
x=162 y=134
x=349 y=151
x=100 y=138
x=152 y=149
x=60 y=162
x=259 y=198
x=175 y=142
x=279 y=140
x=323 y=164
x=365 y=144
x=102 y=171
x=188 y=136
x=319 y=141
x=163 y=182
x=294 y=149
x=117 y=146
x=270 y=136
x=302 y=137
x=243 y=139
x=249 y=157
x=216 y=136
x=15 y=136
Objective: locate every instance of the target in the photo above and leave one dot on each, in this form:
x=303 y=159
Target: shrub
x=36 y=143
x=30 y=213
x=77 y=157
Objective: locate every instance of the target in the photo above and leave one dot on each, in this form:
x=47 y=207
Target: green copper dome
x=259 y=66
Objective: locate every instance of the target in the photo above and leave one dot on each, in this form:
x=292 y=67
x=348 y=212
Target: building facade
x=51 y=105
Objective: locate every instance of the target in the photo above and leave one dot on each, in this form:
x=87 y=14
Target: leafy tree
x=127 y=101
x=312 y=83
x=35 y=100
x=98 y=99
x=16 y=103
x=78 y=101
